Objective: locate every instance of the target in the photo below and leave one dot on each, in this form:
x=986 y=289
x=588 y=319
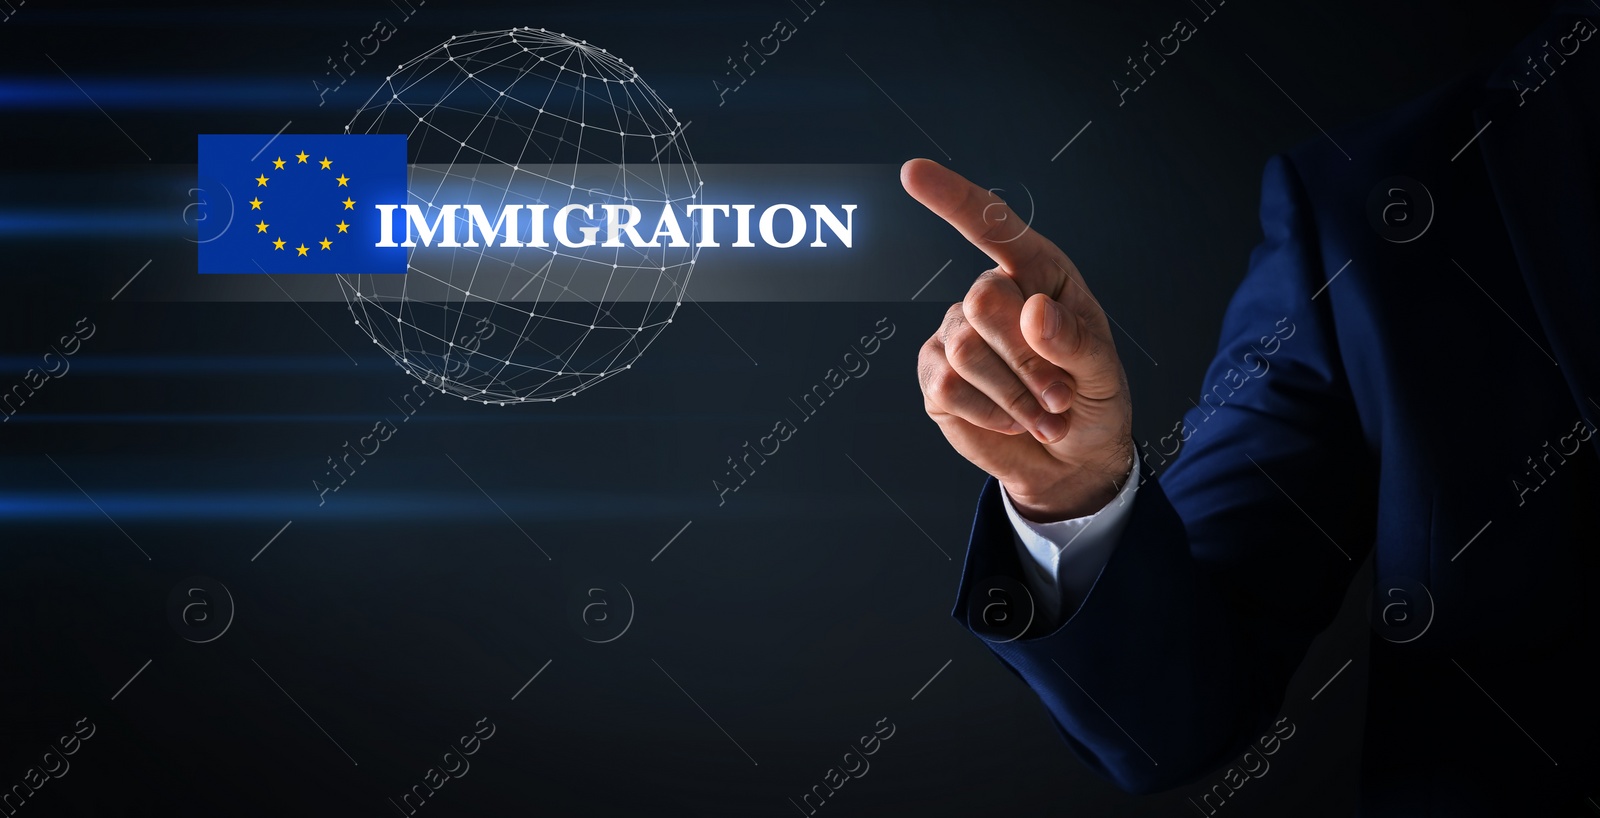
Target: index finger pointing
x=986 y=221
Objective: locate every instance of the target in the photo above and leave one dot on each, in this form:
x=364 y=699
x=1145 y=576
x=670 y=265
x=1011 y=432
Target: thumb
x=1079 y=346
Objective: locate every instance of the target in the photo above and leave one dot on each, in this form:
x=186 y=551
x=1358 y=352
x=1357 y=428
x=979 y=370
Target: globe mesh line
x=568 y=121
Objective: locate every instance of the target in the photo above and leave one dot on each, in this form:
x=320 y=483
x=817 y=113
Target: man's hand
x=1023 y=376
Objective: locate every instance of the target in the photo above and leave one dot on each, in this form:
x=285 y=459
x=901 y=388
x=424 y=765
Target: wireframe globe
x=527 y=116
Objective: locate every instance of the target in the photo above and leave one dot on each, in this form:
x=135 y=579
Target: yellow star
x=278 y=163
x=302 y=156
x=262 y=227
x=342 y=179
x=301 y=250
x=261 y=181
x=255 y=204
x=326 y=163
x=343 y=228
x=349 y=203
x=277 y=245
x=326 y=245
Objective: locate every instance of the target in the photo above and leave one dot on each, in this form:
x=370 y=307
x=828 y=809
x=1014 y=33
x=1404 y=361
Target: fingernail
x=1052 y=428
x=1057 y=398
x=1052 y=322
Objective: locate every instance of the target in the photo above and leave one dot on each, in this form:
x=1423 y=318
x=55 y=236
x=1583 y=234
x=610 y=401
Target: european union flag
x=302 y=203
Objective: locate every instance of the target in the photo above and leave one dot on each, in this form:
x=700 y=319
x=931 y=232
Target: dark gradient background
x=777 y=628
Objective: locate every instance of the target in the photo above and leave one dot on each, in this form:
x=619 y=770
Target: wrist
x=1081 y=493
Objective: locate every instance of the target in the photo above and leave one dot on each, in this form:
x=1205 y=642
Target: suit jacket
x=1411 y=365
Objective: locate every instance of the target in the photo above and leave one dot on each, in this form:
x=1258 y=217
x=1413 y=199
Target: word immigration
x=518 y=225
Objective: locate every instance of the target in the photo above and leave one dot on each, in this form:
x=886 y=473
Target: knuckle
x=1032 y=368
x=954 y=317
x=1093 y=341
x=965 y=348
x=986 y=300
x=944 y=388
x=1072 y=335
x=993 y=417
x=1021 y=403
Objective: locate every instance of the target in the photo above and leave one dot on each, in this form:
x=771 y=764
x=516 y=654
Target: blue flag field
x=303 y=203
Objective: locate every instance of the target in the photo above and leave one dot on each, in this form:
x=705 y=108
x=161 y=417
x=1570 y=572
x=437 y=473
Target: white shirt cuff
x=1069 y=554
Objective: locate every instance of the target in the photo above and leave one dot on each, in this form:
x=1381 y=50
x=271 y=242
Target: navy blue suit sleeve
x=1234 y=559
